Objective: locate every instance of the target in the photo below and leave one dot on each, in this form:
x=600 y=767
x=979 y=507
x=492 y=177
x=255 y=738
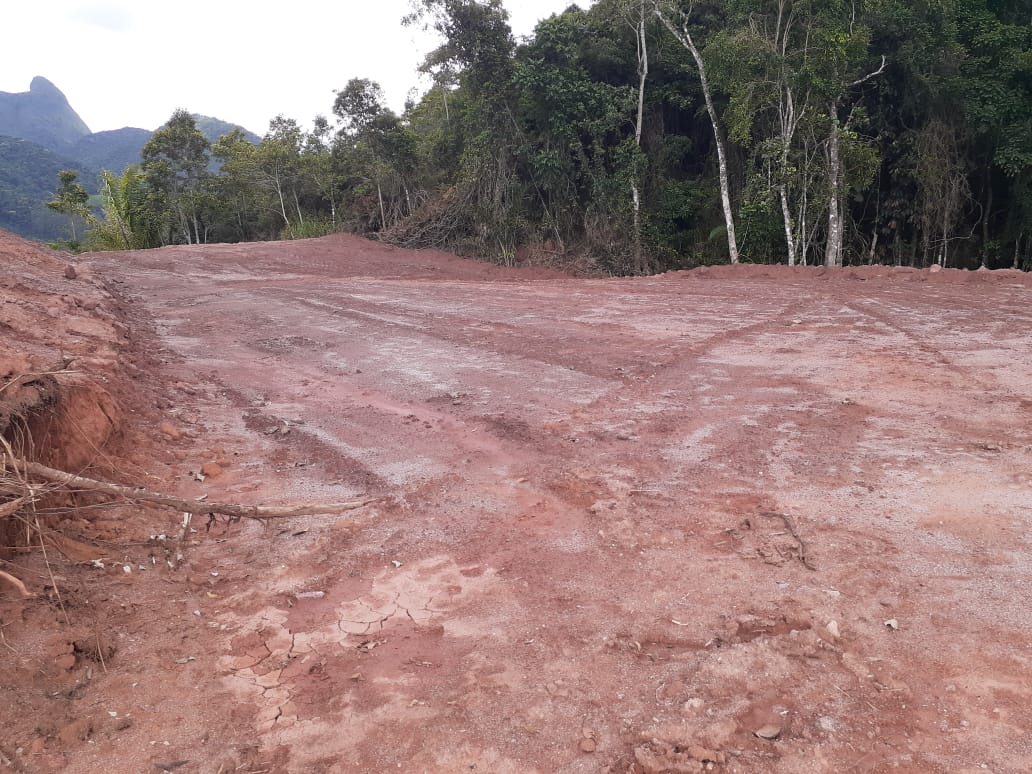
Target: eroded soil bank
x=742 y=520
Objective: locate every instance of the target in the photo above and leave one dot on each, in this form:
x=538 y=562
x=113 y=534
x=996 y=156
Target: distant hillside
x=42 y=115
x=40 y=134
x=113 y=150
x=213 y=128
x=28 y=177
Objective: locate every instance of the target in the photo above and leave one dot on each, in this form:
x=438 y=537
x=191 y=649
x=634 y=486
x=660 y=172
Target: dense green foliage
x=28 y=176
x=652 y=134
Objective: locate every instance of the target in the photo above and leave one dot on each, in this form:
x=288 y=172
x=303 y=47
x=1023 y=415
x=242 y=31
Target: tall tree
x=679 y=22
x=70 y=200
x=175 y=163
x=278 y=164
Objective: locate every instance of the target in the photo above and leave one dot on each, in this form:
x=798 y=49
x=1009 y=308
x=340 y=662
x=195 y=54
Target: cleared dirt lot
x=743 y=521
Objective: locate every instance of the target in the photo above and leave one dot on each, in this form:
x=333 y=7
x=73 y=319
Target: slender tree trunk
x=786 y=213
x=282 y=203
x=379 y=196
x=804 y=234
x=685 y=39
x=297 y=206
x=184 y=224
x=833 y=246
x=643 y=72
x=872 y=250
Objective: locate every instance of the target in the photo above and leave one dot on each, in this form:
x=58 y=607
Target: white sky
x=132 y=62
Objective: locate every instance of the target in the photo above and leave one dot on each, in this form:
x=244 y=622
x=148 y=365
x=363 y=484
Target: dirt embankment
x=60 y=336
x=739 y=519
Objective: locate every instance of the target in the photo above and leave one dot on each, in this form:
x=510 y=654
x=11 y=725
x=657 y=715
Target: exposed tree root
x=138 y=494
x=7 y=577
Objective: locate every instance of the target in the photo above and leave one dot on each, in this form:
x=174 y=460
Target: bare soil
x=745 y=519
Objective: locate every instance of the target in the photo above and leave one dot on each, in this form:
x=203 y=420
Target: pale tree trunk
x=684 y=37
x=789 y=121
x=789 y=226
x=184 y=224
x=282 y=203
x=379 y=196
x=788 y=118
x=297 y=206
x=833 y=245
x=643 y=72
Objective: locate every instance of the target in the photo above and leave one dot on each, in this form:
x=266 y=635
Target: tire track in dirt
x=593 y=542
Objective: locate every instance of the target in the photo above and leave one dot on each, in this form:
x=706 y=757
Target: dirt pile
x=59 y=340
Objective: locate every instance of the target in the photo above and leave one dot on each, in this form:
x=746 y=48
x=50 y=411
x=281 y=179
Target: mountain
x=213 y=128
x=41 y=115
x=113 y=150
x=40 y=134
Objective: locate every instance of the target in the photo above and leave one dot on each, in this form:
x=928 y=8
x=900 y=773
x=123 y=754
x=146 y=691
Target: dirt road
x=752 y=521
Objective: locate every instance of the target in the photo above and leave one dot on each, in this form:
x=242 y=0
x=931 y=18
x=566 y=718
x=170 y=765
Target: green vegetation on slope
x=651 y=134
x=28 y=179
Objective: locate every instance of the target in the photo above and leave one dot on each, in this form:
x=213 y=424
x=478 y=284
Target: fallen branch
x=12 y=507
x=139 y=494
x=17 y=584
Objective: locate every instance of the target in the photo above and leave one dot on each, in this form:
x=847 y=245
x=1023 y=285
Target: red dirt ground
x=733 y=520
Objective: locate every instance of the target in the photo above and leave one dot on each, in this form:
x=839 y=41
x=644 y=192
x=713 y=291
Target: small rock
x=769 y=732
x=833 y=629
x=170 y=430
x=211 y=469
x=70 y=272
x=588 y=745
x=892 y=623
x=704 y=755
x=934 y=268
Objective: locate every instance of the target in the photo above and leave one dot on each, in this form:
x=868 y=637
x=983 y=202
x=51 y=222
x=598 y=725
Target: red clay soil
x=743 y=519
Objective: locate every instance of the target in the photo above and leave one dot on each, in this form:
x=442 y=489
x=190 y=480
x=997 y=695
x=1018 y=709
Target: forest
x=634 y=137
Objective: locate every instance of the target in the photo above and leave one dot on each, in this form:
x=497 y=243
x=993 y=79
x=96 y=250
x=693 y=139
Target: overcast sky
x=132 y=62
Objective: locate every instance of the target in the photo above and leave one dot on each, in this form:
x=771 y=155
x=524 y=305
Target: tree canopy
x=649 y=134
